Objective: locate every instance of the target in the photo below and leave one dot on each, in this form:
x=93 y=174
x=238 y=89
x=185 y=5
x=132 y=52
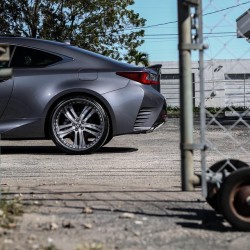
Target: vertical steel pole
x=186 y=91
x=202 y=104
x=244 y=90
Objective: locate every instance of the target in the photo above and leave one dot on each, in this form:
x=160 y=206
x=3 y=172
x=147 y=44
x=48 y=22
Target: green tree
x=137 y=57
x=108 y=27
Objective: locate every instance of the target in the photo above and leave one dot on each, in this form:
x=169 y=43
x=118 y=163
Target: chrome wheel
x=79 y=125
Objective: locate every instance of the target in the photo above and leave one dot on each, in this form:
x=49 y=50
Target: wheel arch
x=97 y=97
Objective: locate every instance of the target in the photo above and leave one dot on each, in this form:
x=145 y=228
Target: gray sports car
x=77 y=98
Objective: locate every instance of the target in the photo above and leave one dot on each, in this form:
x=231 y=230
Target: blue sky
x=161 y=42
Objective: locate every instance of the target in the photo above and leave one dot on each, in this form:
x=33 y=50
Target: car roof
x=90 y=59
x=32 y=42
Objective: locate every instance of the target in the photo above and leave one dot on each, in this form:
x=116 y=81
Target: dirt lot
x=125 y=196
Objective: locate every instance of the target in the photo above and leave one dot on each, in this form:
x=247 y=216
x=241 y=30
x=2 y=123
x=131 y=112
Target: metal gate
x=224 y=103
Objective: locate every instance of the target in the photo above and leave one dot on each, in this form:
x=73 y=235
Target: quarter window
x=32 y=58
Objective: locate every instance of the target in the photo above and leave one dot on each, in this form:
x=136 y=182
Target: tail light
x=143 y=77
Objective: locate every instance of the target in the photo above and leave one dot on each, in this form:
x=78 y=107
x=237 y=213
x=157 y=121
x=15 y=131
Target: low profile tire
x=108 y=139
x=213 y=191
x=235 y=199
x=79 y=125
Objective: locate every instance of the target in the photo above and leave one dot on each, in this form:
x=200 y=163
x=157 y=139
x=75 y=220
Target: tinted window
x=32 y=58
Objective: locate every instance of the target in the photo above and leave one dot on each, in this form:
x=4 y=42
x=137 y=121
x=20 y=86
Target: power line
x=154 y=25
x=228 y=8
x=205 y=33
x=175 y=38
x=206 y=14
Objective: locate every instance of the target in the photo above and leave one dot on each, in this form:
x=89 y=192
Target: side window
x=32 y=58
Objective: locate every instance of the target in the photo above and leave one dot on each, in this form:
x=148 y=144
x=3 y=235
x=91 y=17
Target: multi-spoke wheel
x=235 y=199
x=79 y=125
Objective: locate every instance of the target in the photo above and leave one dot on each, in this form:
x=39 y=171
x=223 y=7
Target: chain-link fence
x=220 y=92
x=227 y=88
x=226 y=73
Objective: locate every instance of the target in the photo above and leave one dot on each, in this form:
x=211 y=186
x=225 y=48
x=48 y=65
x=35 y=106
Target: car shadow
x=53 y=150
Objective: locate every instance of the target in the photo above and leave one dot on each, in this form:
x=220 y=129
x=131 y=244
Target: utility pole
x=190 y=34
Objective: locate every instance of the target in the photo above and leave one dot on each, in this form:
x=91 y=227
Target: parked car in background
x=78 y=98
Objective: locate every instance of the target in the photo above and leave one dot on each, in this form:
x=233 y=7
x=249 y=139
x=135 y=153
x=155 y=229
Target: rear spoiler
x=156 y=68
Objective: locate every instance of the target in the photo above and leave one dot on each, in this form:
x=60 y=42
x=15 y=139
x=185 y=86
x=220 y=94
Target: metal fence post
x=202 y=101
x=186 y=93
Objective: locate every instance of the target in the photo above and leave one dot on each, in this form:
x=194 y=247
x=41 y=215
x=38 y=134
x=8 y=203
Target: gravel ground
x=125 y=196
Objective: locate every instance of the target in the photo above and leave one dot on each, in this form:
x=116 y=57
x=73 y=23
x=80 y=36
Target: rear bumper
x=162 y=118
x=143 y=116
x=137 y=108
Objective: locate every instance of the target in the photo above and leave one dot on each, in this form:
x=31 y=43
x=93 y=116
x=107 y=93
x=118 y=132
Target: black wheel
x=79 y=125
x=230 y=165
x=235 y=199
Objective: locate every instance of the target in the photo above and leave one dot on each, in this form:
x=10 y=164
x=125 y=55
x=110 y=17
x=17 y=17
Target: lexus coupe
x=75 y=97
